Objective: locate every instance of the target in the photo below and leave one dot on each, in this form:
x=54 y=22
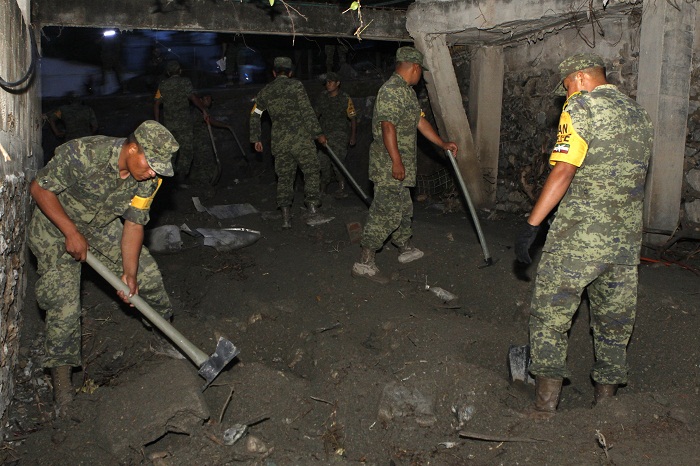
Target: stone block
x=693 y=178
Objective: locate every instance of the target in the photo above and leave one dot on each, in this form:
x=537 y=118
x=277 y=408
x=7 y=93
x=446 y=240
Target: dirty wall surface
x=19 y=124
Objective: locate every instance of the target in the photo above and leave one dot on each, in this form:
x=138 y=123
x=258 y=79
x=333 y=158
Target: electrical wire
x=32 y=65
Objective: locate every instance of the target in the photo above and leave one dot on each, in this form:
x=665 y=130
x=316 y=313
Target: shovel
x=209 y=366
x=243 y=153
x=487 y=256
x=341 y=167
x=217 y=173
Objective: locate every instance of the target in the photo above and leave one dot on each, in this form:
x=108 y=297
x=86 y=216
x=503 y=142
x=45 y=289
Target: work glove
x=524 y=241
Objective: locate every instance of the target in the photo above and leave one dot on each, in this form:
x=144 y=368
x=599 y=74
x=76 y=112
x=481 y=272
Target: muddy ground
x=345 y=371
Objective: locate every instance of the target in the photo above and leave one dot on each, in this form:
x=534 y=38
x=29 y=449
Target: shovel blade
x=224 y=354
x=518 y=364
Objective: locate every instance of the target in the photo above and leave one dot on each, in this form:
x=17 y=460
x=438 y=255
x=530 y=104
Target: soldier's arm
x=553 y=191
x=52 y=123
x=427 y=130
x=131 y=242
x=398 y=170
x=47 y=201
x=194 y=98
x=256 y=123
x=352 y=115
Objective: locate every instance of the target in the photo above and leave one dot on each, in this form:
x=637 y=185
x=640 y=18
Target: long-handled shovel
x=487 y=256
x=217 y=173
x=341 y=167
x=209 y=366
x=243 y=153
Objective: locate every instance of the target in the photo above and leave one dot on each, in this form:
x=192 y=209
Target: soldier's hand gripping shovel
x=487 y=256
x=341 y=167
x=217 y=173
x=209 y=366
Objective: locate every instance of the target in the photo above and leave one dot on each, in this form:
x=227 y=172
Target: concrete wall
x=20 y=124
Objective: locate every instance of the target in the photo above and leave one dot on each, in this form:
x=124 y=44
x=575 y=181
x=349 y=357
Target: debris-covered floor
x=336 y=370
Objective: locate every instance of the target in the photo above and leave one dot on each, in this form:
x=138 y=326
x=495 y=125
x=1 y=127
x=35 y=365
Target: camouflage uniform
x=174 y=92
x=85 y=176
x=595 y=239
x=392 y=209
x=334 y=115
x=204 y=165
x=294 y=128
x=78 y=119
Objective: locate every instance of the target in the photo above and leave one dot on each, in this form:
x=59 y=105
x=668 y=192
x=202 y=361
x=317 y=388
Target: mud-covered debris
x=254 y=445
x=234 y=433
x=225 y=211
x=163 y=239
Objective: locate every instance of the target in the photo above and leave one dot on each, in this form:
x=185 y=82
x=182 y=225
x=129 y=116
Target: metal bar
x=482 y=240
x=341 y=167
x=195 y=354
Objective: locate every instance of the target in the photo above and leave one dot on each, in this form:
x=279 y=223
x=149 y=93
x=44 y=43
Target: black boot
x=603 y=391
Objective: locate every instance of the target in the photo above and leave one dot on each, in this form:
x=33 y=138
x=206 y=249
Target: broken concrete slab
x=162 y=397
x=224 y=239
x=402 y=401
x=225 y=211
x=165 y=238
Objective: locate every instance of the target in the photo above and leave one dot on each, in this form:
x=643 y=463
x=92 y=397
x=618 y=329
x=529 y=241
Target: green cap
x=158 y=145
x=172 y=66
x=331 y=76
x=410 y=55
x=575 y=63
x=283 y=63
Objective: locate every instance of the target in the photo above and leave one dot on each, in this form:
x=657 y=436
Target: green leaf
x=354 y=5
x=272 y=2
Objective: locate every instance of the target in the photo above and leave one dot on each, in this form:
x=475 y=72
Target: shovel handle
x=367 y=200
x=195 y=354
x=472 y=211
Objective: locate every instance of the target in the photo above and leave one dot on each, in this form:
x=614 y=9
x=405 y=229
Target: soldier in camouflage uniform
x=392 y=164
x=175 y=94
x=204 y=165
x=80 y=195
x=336 y=114
x=78 y=119
x=600 y=164
x=294 y=128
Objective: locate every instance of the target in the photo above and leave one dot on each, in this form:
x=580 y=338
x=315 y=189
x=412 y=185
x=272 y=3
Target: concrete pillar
x=446 y=101
x=485 y=103
x=666 y=52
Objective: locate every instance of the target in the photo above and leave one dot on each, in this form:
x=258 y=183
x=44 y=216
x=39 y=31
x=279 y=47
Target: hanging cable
x=34 y=53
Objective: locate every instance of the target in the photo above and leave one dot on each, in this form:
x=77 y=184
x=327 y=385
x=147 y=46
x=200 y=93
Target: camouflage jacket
x=85 y=176
x=175 y=93
x=293 y=118
x=396 y=103
x=335 y=113
x=78 y=119
x=609 y=137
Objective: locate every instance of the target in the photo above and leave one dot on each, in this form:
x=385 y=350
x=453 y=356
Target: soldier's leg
x=339 y=144
x=326 y=170
x=58 y=293
x=106 y=247
x=384 y=216
x=186 y=154
x=558 y=288
x=613 y=298
x=404 y=231
x=286 y=170
x=308 y=162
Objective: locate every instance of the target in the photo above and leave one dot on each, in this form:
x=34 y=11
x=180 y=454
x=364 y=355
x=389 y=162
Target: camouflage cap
x=283 y=63
x=173 y=66
x=331 y=76
x=158 y=146
x=411 y=55
x=575 y=63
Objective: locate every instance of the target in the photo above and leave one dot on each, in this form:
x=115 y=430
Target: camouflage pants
x=339 y=145
x=184 y=135
x=286 y=162
x=389 y=215
x=204 y=164
x=612 y=291
x=58 y=288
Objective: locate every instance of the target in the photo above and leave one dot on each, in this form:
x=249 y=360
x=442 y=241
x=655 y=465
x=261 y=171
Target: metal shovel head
x=518 y=363
x=224 y=354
